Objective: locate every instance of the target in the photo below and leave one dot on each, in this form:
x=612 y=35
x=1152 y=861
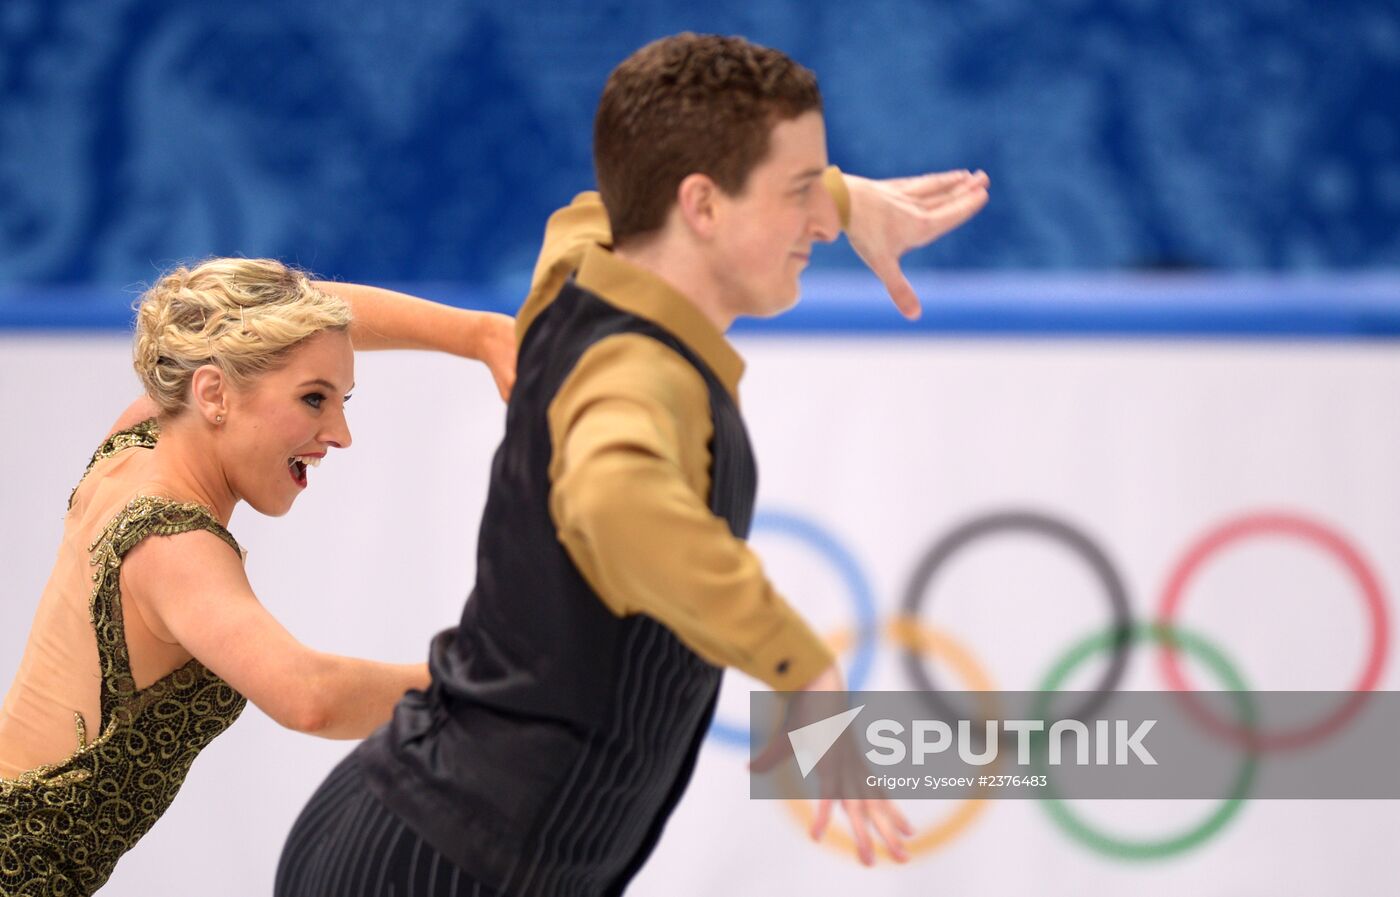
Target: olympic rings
x=918 y=640
x=923 y=640
x=1151 y=850
x=1057 y=531
x=1236 y=530
x=857 y=587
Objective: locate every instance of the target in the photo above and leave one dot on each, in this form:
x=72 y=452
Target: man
x=613 y=581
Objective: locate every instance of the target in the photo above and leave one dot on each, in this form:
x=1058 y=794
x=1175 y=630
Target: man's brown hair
x=689 y=104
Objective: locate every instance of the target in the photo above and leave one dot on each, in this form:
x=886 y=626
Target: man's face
x=764 y=235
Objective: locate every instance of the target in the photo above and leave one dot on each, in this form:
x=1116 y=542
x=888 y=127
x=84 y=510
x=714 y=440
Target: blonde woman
x=144 y=649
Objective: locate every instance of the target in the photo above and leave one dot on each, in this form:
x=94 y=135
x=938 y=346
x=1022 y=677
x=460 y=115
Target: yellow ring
x=910 y=633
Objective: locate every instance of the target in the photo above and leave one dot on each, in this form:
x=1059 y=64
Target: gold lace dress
x=64 y=826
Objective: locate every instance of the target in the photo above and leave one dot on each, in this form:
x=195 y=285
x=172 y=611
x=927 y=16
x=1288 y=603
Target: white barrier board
x=883 y=446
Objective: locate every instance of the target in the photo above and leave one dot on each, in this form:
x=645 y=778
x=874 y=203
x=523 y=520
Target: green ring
x=1157 y=849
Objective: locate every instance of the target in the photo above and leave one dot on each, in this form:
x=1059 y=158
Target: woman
x=143 y=650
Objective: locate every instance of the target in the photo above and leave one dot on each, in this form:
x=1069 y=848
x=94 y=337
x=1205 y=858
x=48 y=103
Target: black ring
x=1057 y=531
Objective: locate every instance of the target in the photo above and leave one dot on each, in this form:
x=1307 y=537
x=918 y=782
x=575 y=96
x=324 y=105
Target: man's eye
x=313 y=399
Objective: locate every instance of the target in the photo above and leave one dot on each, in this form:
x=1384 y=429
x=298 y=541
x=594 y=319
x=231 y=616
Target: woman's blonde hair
x=242 y=315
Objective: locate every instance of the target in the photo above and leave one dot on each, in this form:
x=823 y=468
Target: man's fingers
x=933 y=200
x=821 y=820
x=769 y=757
x=970 y=204
x=855 y=813
x=950 y=215
x=889 y=830
x=932 y=219
x=898 y=818
x=930 y=184
x=901 y=290
x=956 y=193
x=972 y=186
x=932 y=187
x=980 y=179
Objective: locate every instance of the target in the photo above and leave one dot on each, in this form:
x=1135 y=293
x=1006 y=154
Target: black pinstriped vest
x=556 y=738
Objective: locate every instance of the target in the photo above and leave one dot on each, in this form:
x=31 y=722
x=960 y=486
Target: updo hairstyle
x=242 y=315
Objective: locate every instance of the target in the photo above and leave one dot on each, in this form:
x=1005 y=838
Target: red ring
x=1278 y=523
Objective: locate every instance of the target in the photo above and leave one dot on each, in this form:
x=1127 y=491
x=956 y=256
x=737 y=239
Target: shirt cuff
x=791 y=658
x=835 y=184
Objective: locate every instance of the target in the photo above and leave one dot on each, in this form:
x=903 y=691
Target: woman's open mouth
x=297 y=464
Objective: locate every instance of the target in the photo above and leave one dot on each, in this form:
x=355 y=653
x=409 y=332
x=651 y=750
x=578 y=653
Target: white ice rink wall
x=1143 y=415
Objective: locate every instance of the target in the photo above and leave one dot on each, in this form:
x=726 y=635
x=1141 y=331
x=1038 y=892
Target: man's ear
x=697 y=201
x=209 y=394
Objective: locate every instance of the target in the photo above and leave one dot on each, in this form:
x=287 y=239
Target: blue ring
x=863 y=597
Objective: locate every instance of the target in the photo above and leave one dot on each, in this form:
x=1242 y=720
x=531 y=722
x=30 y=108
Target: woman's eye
x=313 y=399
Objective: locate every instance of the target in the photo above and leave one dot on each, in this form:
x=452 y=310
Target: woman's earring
x=218 y=418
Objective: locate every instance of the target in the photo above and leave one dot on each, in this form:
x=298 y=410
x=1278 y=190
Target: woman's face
x=283 y=422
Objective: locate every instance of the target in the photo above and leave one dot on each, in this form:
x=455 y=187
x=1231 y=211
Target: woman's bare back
x=58 y=678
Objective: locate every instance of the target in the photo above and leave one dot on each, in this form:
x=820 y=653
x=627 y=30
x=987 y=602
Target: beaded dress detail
x=64 y=826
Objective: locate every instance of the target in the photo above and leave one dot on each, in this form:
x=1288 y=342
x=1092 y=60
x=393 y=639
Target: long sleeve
x=569 y=232
x=629 y=476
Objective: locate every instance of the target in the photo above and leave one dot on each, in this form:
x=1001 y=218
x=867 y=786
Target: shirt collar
x=640 y=292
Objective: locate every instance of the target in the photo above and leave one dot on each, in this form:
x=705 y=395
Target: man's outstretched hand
x=891 y=217
x=841 y=773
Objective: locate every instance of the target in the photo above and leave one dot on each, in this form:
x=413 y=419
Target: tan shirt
x=630 y=476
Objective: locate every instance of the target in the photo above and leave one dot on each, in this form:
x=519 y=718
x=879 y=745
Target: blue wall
x=413 y=140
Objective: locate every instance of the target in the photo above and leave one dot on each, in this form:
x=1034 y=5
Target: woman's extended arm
x=191 y=590
x=384 y=319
